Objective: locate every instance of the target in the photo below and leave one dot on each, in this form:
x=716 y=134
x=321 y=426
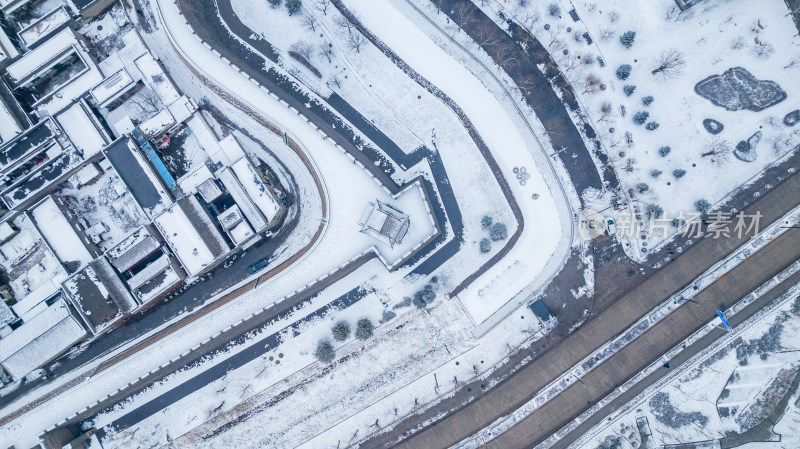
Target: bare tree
x=555 y=33
x=309 y=22
x=303 y=49
x=606 y=108
x=530 y=18
x=764 y=49
x=147 y=101
x=487 y=34
x=527 y=84
x=613 y=17
x=263 y=371
x=606 y=34
x=322 y=6
x=568 y=63
x=463 y=13
x=718 y=150
x=245 y=391
x=670 y=64
x=344 y=24
x=592 y=84
x=355 y=41
x=794 y=10
x=630 y=165
x=326 y=50
x=795 y=62
x=336 y=81
x=505 y=57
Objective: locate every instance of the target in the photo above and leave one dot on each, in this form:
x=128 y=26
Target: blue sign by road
x=724 y=321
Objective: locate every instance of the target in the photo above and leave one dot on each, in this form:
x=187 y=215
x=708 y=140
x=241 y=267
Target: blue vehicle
x=258 y=266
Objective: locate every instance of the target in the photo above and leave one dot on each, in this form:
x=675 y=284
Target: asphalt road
x=626 y=310
x=238 y=336
x=679 y=322
x=633 y=358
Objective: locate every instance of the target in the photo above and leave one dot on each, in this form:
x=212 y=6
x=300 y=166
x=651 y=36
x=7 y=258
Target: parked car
x=258 y=265
x=612 y=227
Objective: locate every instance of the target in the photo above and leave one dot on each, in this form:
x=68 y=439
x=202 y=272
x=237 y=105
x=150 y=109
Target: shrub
x=424 y=297
x=652 y=126
x=486 y=221
x=647 y=100
x=553 y=9
x=341 y=331
x=628 y=89
x=678 y=173
x=498 y=231
x=664 y=151
x=668 y=414
x=294 y=5
x=655 y=173
x=624 y=71
x=486 y=245
x=627 y=38
x=640 y=117
x=418 y=301
x=677 y=222
x=702 y=205
x=364 y=329
x=642 y=187
x=655 y=211
x=275 y=3
x=325 y=352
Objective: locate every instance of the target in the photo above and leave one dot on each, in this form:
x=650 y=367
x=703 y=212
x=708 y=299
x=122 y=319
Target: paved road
x=519 y=388
x=240 y=335
x=680 y=321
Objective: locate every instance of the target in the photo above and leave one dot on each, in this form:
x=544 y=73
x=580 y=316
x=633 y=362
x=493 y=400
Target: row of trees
x=292 y=6
x=341 y=331
x=497 y=231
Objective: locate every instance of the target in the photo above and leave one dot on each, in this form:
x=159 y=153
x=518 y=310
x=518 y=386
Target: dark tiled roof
x=97 y=306
x=132 y=174
x=25 y=142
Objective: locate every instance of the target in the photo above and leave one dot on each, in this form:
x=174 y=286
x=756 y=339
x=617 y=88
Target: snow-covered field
x=709 y=38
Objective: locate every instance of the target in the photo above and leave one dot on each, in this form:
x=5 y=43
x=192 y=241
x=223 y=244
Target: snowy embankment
x=371 y=82
x=542 y=216
x=679 y=299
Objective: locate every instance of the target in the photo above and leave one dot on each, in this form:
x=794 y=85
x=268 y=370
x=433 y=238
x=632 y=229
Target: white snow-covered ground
x=364 y=418
x=711 y=37
x=380 y=90
x=401 y=29
x=347 y=186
